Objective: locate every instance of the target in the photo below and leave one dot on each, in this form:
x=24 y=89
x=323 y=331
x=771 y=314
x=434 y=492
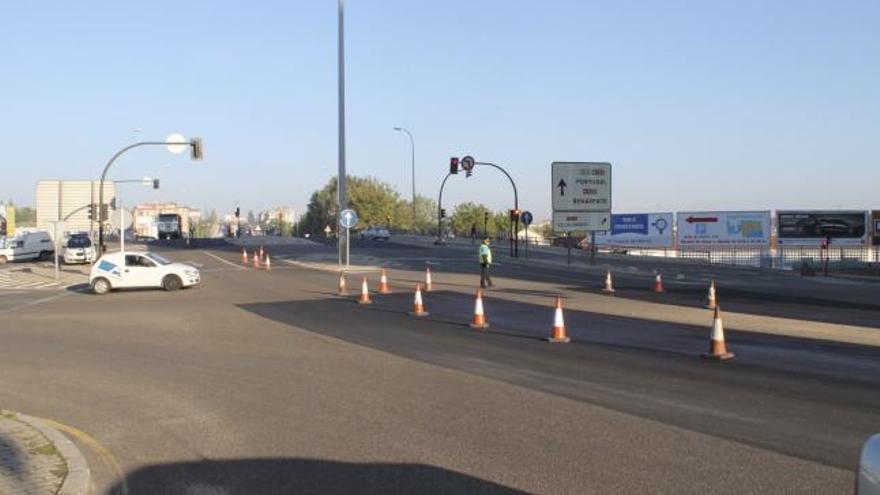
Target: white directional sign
x=348 y=219
x=581 y=186
x=581 y=221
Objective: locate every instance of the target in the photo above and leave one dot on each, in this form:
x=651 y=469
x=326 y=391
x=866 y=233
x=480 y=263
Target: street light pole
x=413 y=149
x=340 y=182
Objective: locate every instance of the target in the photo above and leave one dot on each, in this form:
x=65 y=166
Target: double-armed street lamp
x=175 y=144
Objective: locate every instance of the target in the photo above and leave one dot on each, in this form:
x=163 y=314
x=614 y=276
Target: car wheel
x=171 y=283
x=101 y=286
x=44 y=256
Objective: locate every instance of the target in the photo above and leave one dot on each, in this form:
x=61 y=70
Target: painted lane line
x=222 y=260
x=34 y=303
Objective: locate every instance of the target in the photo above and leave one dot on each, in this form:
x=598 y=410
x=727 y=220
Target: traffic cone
x=558 y=335
x=658 y=284
x=609 y=286
x=384 y=288
x=717 y=346
x=244 y=256
x=268 y=262
x=256 y=260
x=418 y=305
x=343 y=287
x=365 y=293
x=479 y=321
x=429 y=285
x=261 y=252
x=711 y=302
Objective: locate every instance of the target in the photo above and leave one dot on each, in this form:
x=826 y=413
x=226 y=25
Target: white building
x=68 y=201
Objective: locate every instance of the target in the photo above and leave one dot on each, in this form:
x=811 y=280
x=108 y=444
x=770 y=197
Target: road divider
x=717 y=345
x=609 y=284
x=558 y=334
x=365 y=292
x=479 y=321
x=418 y=305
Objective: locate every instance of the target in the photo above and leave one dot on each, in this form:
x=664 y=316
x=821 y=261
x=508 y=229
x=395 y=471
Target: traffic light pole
x=514 y=239
x=440 y=210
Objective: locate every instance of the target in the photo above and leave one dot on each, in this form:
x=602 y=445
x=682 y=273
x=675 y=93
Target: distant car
x=27 y=246
x=79 y=249
x=375 y=234
x=141 y=270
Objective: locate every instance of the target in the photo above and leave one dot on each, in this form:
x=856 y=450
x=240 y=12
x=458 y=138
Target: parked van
x=36 y=245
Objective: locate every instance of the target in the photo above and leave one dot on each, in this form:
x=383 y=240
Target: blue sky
x=698 y=105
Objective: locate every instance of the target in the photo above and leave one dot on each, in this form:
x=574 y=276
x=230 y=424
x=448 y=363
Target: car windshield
x=79 y=242
x=158 y=259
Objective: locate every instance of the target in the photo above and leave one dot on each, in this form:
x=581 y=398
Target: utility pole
x=340 y=183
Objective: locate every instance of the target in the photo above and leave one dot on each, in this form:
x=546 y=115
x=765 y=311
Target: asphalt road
x=263 y=382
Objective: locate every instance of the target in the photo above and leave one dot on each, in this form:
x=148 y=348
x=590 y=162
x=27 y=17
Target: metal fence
x=782 y=258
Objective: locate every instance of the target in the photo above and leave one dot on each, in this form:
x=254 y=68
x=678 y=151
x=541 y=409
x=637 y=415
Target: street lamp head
x=398 y=128
x=196 y=148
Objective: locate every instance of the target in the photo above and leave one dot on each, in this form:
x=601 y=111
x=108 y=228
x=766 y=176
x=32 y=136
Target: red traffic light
x=453 y=165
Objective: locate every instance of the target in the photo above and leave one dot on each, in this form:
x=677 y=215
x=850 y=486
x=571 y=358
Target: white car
x=36 y=245
x=140 y=270
x=376 y=234
x=79 y=249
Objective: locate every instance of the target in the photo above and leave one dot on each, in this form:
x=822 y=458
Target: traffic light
x=442 y=212
x=104 y=211
x=514 y=215
x=453 y=165
x=92 y=211
x=196 y=149
x=388 y=220
x=155 y=183
x=237 y=212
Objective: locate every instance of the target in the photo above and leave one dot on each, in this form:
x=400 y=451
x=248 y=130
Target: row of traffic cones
x=558 y=332
x=711 y=301
x=261 y=259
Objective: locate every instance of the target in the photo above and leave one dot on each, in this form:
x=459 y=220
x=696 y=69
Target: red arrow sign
x=702 y=219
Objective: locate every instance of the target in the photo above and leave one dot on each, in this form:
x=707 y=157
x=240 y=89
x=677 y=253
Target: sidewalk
x=37 y=459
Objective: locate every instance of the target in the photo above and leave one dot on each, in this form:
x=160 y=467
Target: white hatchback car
x=79 y=249
x=132 y=270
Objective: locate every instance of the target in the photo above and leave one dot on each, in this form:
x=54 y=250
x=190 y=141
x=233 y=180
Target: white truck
x=26 y=246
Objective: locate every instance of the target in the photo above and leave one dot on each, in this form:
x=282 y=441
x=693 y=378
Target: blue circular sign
x=526 y=218
x=348 y=219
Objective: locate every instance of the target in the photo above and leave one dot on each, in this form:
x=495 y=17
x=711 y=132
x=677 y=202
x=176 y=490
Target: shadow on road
x=301 y=476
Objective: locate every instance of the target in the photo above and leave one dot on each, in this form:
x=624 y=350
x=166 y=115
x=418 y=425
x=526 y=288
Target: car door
x=140 y=271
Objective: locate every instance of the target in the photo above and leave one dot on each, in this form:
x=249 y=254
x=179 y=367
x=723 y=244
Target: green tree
x=426 y=215
x=374 y=201
x=468 y=215
x=501 y=222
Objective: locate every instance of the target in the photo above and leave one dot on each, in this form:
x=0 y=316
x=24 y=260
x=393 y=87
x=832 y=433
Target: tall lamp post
x=340 y=182
x=413 y=149
x=175 y=143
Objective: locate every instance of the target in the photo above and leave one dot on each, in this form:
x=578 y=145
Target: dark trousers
x=485 y=279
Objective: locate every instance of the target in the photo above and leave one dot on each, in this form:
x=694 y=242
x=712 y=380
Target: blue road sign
x=526 y=218
x=348 y=219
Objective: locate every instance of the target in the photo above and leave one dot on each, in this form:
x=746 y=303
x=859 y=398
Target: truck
x=169 y=226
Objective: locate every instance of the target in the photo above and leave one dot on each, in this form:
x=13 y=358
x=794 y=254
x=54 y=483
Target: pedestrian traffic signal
x=453 y=165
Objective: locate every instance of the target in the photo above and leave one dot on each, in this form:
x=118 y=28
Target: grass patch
x=45 y=449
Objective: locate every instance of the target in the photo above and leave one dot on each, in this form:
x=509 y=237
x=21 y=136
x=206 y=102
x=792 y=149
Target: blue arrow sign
x=526 y=218
x=348 y=219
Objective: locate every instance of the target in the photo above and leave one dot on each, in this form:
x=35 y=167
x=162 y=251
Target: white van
x=35 y=245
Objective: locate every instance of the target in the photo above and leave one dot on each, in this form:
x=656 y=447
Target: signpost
x=581 y=193
x=348 y=219
x=526 y=218
x=58 y=228
x=649 y=230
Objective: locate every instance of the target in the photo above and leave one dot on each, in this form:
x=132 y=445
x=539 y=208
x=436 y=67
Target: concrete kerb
x=78 y=478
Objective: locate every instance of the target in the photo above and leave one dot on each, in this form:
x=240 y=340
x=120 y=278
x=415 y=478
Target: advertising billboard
x=810 y=228
x=7 y=220
x=649 y=230
x=875 y=216
x=723 y=228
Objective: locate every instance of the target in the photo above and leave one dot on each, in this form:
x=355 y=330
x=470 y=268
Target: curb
x=78 y=477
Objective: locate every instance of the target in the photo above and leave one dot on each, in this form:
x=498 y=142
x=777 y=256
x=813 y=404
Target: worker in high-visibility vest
x=485 y=263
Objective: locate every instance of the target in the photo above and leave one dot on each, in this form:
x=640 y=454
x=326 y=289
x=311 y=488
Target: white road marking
x=238 y=267
x=34 y=303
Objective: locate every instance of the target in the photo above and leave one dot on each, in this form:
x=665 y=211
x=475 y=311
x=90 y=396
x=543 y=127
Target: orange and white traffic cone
x=244 y=256
x=609 y=285
x=384 y=288
x=558 y=334
x=658 y=284
x=256 y=260
x=343 y=286
x=479 y=322
x=711 y=302
x=429 y=284
x=365 y=293
x=717 y=346
x=268 y=263
x=261 y=252
x=418 y=304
